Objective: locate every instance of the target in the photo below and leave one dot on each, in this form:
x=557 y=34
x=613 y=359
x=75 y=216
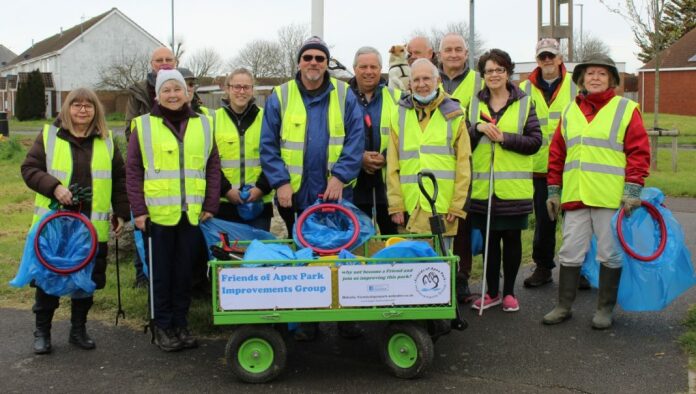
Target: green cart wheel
x=256 y=354
x=407 y=349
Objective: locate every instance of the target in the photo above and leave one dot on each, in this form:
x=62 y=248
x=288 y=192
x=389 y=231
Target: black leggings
x=512 y=257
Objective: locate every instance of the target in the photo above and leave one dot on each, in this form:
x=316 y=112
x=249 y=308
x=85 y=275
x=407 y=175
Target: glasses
x=317 y=58
x=163 y=60
x=239 y=88
x=497 y=70
x=546 y=55
x=79 y=107
x=191 y=84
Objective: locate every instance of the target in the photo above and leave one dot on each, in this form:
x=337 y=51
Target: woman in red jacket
x=599 y=159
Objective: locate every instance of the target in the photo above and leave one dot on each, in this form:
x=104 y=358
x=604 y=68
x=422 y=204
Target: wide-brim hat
x=597 y=60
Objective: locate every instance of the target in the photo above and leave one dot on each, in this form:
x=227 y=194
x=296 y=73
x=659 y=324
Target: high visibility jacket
x=390 y=100
x=467 y=89
x=512 y=177
x=59 y=163
x=595 y=160
x=549 y=115
x=294 y=124
x=431 y=149
x=175 y=179
x=239 y=154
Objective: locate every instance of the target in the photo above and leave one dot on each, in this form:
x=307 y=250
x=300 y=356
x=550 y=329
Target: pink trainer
x=510 y=304
x=487 y=303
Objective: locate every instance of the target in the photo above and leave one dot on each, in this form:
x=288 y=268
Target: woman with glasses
x=505 y=133
x=245 y=191
x=77 y=148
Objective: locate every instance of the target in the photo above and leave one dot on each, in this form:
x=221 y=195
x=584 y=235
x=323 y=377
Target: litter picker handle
x=433 y=198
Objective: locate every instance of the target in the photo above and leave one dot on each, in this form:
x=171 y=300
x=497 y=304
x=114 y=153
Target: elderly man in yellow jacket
x=428 y=133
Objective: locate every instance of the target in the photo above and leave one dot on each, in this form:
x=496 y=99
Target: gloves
x=631 y=197
x=553 y=201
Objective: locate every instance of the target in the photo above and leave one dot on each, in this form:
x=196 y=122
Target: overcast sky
x=226 y=25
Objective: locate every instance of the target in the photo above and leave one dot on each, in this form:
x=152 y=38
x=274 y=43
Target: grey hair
x=433 y=68
x=366 y=51
x=453 y=34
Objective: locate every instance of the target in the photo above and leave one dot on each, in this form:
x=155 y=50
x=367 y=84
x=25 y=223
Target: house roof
x=58 y=41
x=681 y=54
x=6 y=55
x=47 y=79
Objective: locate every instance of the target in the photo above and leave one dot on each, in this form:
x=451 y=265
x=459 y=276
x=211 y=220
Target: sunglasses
x=317 y=58
x=546 y=55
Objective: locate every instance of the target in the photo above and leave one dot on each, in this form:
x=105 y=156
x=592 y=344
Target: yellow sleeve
x=462 y=175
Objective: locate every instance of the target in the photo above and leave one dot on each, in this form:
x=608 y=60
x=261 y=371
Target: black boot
x=78 y=319
x=167 y=340
x=42 y=335
x=188 y=341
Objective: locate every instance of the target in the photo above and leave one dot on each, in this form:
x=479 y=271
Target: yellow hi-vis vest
x=431 y=149
x=467 y=89
x=59 y=163
x=293 y=128
x=174 y=170
x=549 y=115
x=390 y=100
x=239 y=154
x=512 y=172
x=595 y=162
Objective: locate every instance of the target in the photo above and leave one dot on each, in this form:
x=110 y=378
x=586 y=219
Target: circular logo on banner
x=430 y=282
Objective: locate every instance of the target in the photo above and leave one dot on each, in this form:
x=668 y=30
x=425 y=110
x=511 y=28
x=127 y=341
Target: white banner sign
x=274 y=288
x=397 y=284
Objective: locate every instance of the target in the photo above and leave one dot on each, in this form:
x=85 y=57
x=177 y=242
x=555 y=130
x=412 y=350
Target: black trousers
x=175 y=250
x=511 y=255
x=544 y=244
x=462 y=247
x=386 y=226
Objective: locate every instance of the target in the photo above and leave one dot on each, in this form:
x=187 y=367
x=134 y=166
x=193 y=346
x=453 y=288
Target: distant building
x=677 y=73
x=73 y=58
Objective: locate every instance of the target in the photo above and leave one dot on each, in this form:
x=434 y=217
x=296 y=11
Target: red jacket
x=636 y=145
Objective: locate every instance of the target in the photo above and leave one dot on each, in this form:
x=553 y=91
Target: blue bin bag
x=476 y=242
x=258 y=250
x=140 y=246
x=64 y=243
x=331 y=230
x=405 y=249
x=212 y=228
x=249 y=210
x=650 y=285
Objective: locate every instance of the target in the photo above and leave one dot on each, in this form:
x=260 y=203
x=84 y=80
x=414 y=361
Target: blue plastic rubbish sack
x=330 y=230
x=476 y=242
x=212 y=228
x=64 y=242
x=249 y=210
x=258 y=250
x=650 y=285
x=405 y=249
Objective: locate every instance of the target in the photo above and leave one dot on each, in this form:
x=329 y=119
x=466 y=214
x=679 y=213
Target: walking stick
x=491 y=180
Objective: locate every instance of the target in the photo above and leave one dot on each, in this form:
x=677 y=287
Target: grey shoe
x=606 y=298
x=539 y=277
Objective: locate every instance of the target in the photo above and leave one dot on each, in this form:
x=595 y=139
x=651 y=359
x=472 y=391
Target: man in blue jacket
x=312 y=136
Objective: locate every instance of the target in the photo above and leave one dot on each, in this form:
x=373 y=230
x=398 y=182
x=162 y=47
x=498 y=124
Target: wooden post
x=654 y=133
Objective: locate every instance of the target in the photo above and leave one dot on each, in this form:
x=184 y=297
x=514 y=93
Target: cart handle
x=431 y=176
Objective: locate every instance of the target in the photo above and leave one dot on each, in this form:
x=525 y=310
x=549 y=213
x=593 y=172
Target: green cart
x=416 y=296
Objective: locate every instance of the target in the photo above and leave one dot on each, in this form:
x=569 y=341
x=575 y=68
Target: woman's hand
x=233 y=196
x=63 y=195
x=140 y=222
x=118 y=226
x=491 y=131
x=205 y=215
x=254 y=194
x=398 y=218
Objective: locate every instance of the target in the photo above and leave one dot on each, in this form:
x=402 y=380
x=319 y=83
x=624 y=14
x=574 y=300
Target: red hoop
x=92 y=250
x=323 y=208
x=655 y=214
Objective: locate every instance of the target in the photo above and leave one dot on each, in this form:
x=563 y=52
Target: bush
x=31 y=100
x=115 y=116
x=10 y=148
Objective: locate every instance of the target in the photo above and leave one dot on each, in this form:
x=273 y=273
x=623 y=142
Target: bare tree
x=204 y=62
x=124 y=70
x=585 y=46
x=290 y=39
x=263 y=58
x=462 y=28
x=179 y=48
x=645 y=20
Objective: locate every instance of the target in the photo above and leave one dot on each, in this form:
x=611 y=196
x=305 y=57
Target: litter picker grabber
x=150 y=276
x=119 y=312
x=437 y=227
x=491 y=181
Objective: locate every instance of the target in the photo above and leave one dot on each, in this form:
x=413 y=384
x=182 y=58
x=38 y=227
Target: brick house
x=677 y=73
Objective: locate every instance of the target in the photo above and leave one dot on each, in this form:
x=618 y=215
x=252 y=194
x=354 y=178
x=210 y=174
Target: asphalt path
x=499 y=352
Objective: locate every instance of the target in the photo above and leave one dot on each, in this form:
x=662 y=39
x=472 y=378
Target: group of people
x=499 y=153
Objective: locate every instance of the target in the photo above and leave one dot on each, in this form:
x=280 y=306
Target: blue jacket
x=314 y=174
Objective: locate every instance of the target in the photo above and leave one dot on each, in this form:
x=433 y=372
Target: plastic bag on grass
x=64 y=242
x=330 y=230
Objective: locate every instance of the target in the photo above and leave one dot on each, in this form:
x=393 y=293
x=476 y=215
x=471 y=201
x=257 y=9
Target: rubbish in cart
x=212 y=228
x=260 y=251
x=405 y=249
x=329 y=227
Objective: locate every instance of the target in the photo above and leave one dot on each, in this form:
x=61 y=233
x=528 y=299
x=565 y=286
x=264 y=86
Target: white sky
x=226 y=25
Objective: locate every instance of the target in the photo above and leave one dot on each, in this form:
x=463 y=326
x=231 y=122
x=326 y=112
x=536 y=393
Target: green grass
x=685 y=124
x=688 y=340
x=680 y=183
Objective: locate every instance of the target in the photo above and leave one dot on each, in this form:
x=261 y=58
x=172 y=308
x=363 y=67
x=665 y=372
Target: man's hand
x=398 y=218
x=631 y=198
x=372 y=162
x=491 y=131
x=140 y=222
x=205 y=215
x=254 y=194
x=284 y=194
x=553 y=202
x=233 y=196
x=118 y=226
x=450 y=217
x=63 y=195
x=334 y=190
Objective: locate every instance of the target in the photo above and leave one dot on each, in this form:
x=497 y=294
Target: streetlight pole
x=173 y=49
x=471 y=34
x=582 y=39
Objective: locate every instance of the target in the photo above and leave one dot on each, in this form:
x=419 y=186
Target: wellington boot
x=42 y=342
x=79 y=309
x=80 y=338
x=606 y=298
x=567 y=288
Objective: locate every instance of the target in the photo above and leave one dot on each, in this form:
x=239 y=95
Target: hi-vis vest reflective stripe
x=294 y=126
x=174 y=170
x=549 y=116
x=390 y=100
x=432 y=150
x=239 y=154
x=512 y=177
x=467 y=89
x=595 y=160
x=59 y=163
